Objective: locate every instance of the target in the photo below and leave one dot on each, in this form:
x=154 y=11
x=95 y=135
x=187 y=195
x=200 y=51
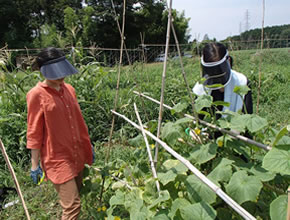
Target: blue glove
x=36 y=175
x=93 y=151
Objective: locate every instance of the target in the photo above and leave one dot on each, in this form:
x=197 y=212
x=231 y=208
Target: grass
x=274 y=104
x=96 y=91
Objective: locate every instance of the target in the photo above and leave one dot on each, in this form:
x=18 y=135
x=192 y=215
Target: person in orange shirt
x=56 y=131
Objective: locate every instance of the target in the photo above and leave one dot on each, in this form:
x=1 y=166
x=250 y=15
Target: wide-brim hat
x=57 y=69
x=216 y=72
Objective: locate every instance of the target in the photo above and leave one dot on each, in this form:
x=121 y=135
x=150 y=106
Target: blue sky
x=223 y=18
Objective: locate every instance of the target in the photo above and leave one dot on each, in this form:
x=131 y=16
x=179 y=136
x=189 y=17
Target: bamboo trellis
x=239 y=209
x=231 y=133
x=163 y=80
x=118 y=81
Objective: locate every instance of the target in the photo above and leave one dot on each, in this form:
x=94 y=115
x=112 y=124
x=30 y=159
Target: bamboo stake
x=196 y=172
x=233 y=134
x=142 y=43
x=14 y=178
x=118 y=83
x=163 y=82
x=148 y=149
x=183 y=72
x=128 y=57
x=260 y=64
x=120 y=31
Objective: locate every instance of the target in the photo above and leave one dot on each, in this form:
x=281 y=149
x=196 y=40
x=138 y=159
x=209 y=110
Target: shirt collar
x=44 y=85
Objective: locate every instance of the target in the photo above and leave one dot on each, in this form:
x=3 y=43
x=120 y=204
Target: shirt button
x=74 y=138
x=67 y=106
x=72 y=127
x=61 y=96
x=70 y=117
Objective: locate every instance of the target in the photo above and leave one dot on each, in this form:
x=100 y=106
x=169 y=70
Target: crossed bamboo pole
x=116 y=97
x=233 y=134
x=163 y=80
x=118 y=82
x=14 y=178
x=125 y=48
x=246 y=215
x=148 y=149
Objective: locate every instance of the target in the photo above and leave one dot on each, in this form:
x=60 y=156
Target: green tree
x=15 y=25
x=71 y=25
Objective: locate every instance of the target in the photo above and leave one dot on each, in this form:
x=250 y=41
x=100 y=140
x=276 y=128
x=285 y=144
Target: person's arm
x=34 y=158
x=35 y=127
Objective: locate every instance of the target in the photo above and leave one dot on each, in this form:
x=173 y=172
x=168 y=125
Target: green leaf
x=178 y=203
x=199 y=211
x=215 y=86
x=243 y=187
x=117 y=199
x=171 y=132
x=277 y=160
x=179 y=108
x=256 y=123
x=173 y=168
x=163 y=196
x=167 y=177
x=222 y=103
x=175 y=165
x=183 y=121
x=203 y=102
x=134 y=200
x=198 y=191
x=150 y=192
x=138 y=215
x=240 y=122
x=224 y=123
x=160 y=217
x=241 y=90
x=203 y=153
x=118 y=185
x=205 y=113
x=262 y=174
x=280 y=134
x=252 y=122
x=278 y=208
x=238 y=146
x=223 y=171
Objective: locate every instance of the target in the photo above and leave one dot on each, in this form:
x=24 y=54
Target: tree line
x=84 y=23
x=274 y=37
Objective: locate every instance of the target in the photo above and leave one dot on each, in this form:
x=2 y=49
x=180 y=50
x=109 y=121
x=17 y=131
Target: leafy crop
x=253 y=177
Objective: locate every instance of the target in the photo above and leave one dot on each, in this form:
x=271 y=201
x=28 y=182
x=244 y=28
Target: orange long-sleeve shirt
x=55 y=125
